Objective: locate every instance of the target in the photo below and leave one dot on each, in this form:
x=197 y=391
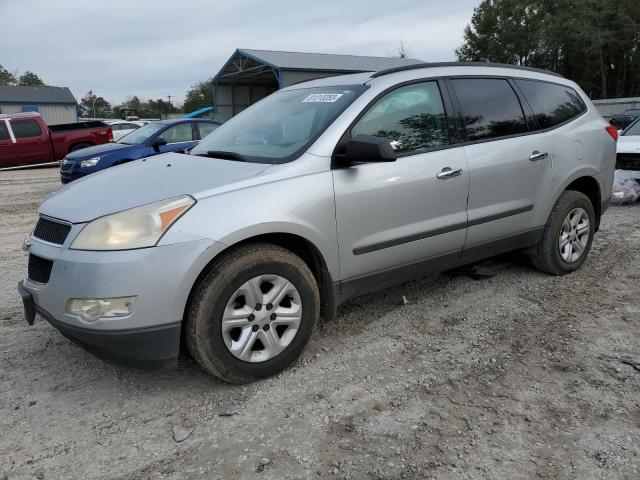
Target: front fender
x=301 y=206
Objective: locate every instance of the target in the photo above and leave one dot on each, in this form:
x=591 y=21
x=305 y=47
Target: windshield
x=141 y=135
x=633 y=130
x=279 y=127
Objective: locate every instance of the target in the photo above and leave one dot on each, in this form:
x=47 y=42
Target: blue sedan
x=154 y=138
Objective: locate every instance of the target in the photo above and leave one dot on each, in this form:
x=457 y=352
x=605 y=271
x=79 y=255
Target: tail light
x=110 y=134
x=613 y=131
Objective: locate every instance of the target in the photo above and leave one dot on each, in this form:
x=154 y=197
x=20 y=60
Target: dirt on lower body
x=512 y=374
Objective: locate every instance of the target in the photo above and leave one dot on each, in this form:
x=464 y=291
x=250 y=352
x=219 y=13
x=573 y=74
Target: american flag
x=88 y=96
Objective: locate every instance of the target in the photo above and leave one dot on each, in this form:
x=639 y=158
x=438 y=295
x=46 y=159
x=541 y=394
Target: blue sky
x=156 y=48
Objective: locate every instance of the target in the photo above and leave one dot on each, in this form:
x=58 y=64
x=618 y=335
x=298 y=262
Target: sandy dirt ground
x=516 y=376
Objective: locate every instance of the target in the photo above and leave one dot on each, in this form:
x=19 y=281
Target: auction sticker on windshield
x=322 y=98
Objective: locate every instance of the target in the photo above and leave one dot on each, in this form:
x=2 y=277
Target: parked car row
x=25 y=139
x=154 y=138
x=321 y=192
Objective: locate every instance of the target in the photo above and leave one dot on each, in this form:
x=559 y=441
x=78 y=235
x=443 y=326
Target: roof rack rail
x=461 y=64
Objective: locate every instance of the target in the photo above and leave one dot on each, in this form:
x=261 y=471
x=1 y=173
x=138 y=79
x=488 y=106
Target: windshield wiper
x=223 y=155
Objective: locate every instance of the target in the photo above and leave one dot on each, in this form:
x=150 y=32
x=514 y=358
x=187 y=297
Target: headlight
x=92 y=162
x=65 y=161
x=138 y=227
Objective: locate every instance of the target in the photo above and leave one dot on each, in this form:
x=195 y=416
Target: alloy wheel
x=574 y=235
x=261 y=318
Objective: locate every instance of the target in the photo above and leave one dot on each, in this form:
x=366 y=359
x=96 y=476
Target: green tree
x=102 y=107
x=30 y=79
x=200 y=95
x=502 y=31
x=6 y=77
x=135 y=103
x=159 y=107
x=594 y=42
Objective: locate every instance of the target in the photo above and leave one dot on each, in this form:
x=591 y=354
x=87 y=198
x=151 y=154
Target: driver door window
x=411 y=117
x=178 y=133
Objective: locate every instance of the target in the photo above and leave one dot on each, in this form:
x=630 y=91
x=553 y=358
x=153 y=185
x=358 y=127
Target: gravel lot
x=516 y=376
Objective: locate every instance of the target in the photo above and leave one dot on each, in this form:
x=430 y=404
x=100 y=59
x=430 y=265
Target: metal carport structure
x=250 y=75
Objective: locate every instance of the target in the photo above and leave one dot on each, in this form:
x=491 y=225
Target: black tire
x=203 y=329
x=546 y=256
x=79 y=146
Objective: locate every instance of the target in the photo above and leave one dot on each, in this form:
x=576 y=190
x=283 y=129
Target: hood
x=98 y=150
x=143 y=181
x=629 y=144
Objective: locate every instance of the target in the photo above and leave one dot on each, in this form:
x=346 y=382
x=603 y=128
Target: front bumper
x=149 y=347
x=160 y=278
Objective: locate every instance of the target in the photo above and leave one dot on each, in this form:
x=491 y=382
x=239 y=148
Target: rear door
x=394 y=218
x=510 y=168
x=32 y=145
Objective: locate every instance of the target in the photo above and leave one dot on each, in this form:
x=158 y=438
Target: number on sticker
x=322 y=98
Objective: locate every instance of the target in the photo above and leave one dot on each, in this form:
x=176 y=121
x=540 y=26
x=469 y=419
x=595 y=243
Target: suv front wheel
x=253 y=313
x=567 y=236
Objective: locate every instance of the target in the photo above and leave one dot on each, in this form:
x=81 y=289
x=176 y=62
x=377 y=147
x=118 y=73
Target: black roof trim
x=461 y=64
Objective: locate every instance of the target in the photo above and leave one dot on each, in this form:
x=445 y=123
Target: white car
x=121 y=128
x=628 y=149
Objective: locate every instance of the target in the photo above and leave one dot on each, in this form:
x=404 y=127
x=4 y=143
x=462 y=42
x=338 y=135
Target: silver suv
x=316 y=194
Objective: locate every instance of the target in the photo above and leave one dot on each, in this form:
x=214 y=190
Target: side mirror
x=367 y=148
x=157 y=143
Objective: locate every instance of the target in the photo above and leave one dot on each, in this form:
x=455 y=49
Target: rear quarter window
x=26 y=128
x=552 y=104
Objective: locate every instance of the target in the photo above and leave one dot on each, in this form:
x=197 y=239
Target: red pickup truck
x=25 y=139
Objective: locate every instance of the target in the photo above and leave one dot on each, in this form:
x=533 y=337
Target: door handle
x=447 y=172
x=535 y=156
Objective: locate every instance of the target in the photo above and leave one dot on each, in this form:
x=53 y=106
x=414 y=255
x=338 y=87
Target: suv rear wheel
x=253 y=313
x=567 y=236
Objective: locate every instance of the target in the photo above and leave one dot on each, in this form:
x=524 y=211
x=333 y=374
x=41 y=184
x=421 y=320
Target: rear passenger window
x=490 y=108
x=26 y=128
x=411 y=117
x=552 y=104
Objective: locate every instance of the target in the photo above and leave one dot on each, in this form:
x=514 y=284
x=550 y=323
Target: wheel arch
x=298 y=245
x=584 y=180
x=589 y=186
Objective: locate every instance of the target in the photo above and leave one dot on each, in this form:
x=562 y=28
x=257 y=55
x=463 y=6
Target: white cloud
x=152 y=48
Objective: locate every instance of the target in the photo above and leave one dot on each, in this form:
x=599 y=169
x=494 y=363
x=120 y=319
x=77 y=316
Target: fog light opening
x=91 y=309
